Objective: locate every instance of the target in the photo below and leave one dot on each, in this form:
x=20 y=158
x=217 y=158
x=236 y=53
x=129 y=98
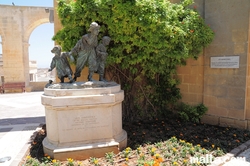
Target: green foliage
x=149 y=39
x=191 y=113
x=32 y=162
x=110 y=157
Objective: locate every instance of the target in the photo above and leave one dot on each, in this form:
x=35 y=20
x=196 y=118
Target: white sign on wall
x=225 y=62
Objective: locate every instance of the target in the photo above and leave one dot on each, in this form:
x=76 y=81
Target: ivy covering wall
x=149 y=40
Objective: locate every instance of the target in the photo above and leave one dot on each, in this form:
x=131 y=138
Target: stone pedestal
x=83 y=120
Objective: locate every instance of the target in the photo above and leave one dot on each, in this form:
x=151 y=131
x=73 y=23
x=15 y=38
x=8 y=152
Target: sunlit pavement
x=21 y=115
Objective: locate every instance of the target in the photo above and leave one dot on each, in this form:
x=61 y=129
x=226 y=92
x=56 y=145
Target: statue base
x=83 y=120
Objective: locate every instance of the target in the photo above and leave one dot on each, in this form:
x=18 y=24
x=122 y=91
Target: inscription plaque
x=85 y=125
x=225 y=62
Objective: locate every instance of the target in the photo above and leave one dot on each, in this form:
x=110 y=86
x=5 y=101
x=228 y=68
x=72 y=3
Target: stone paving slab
x=245 y=154
x=14 y=105
x=237 y=156
x=13 y=121
x=21 y=115
x=235 y=162
x=15 y=141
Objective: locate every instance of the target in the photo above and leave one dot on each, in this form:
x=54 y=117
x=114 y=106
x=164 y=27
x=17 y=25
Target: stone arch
x=34 y=25
x=18 y=22
x=30 y=28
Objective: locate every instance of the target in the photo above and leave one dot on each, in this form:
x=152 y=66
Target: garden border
x=219 y=161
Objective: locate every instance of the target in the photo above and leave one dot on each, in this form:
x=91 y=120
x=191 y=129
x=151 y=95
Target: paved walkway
x=238 y=156
x=21 y=115
x=230 y=159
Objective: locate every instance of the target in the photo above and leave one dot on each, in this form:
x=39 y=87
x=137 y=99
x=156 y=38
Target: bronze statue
x=85 y=51
x=101 y=56
x=61 y=63
x=48 y=84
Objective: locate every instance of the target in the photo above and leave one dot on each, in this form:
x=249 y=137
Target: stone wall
x=223 y=91
x=248 y=77
x=16 y=25
x=192 y=83
x=37 y=86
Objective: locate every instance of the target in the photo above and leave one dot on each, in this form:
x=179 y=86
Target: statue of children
x=61 y=63
x=101 y=56
x=85 y=51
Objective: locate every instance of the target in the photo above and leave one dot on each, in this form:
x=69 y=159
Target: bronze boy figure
x=61 y=63
x=101 y=56
x=85 y=51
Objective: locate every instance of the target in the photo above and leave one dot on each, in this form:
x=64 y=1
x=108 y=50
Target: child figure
x=61 y=63
x=101 y=56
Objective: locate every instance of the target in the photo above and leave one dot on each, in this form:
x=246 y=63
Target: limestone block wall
x=37 y=86
x=191 y=78
x=11 y=44
x=225 y=91
x=16 y=25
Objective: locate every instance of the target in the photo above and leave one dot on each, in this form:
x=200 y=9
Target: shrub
x=191 y=113
x=149 y=40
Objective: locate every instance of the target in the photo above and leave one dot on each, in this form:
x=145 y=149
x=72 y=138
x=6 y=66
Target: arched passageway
x=16 y=26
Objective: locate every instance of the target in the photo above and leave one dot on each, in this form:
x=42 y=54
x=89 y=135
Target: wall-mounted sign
x=225 y=62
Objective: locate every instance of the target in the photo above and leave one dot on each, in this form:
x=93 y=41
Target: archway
x=40 y=44
x=22 y=20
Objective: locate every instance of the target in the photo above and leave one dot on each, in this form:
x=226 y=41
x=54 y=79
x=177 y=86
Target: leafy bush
x=191 y=113
x=149 y=40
